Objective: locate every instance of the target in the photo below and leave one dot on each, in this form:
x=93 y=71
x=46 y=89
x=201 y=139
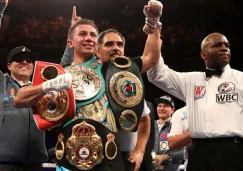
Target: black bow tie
x=210 y=72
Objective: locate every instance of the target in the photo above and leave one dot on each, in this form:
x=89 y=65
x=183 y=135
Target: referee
x=214 y=101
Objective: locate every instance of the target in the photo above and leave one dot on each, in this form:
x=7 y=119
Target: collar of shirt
x=21 y=83
x=160 y=126
x=225 y=70
x=210 y=72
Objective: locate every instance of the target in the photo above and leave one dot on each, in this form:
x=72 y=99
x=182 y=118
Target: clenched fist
x=152 y=11
x=61 y=82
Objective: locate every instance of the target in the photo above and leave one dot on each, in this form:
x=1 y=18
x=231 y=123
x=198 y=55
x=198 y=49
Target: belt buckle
x=84 y=148
x=54 y=105
x=86 y=82
x=95 y=111
x=126 y=89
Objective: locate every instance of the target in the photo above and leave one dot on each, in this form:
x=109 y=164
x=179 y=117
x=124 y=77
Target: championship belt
x=124 y=88
x=86 y=82
x=89 y=89
x=54 y=107
x=85 y=144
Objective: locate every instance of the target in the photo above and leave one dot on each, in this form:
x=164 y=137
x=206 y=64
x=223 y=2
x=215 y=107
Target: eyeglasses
x=22 y=59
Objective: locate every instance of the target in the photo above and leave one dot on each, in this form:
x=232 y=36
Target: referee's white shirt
x=214 y=105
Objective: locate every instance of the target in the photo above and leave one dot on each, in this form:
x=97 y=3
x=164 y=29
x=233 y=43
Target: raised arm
x=152 y=28
x=67 y=57
x=3 y=5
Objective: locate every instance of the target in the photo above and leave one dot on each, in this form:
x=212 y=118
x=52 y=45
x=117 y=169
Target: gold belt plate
x=54 y=105
x=126 y=89
x=84 y=148
x=96 y=110
x=86 y=83
x=128 y=120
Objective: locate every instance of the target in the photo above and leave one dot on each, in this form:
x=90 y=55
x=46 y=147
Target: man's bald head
x=208 y=38
x=215 y=50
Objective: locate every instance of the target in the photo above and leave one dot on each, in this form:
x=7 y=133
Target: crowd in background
x=43 y=26
x=183 y=30
x=184 y=24
x=44 y=30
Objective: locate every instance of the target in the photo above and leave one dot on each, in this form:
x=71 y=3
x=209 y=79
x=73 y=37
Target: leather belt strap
x=124 y=88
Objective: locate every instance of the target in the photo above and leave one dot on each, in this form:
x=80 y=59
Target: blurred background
x=42 y=25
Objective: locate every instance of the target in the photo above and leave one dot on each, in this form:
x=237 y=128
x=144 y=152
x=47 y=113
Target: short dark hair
x=103 y=33
x=82 y=21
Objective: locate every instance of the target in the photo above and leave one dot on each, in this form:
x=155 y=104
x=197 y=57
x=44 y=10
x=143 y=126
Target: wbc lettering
x=227 y=93
x=222 y=98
